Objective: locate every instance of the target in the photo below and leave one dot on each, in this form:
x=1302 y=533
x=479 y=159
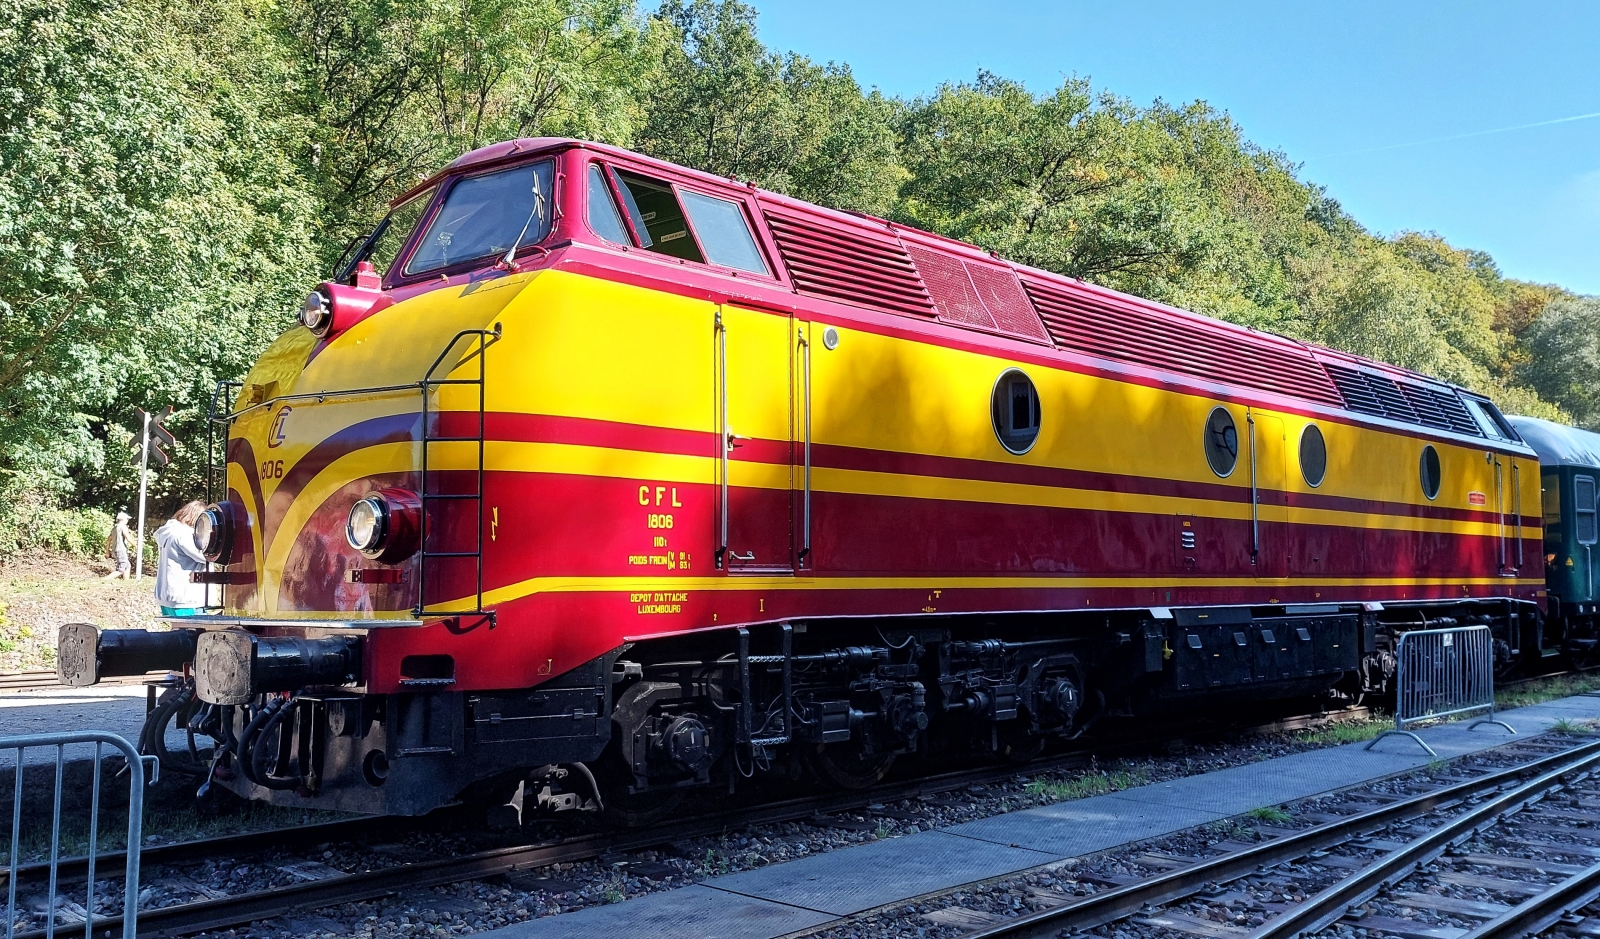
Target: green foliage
x=175 y=174
x=1094 y=783
x=724 y=103
x=1563 y=363
x=1270 y=814
x=34 y=520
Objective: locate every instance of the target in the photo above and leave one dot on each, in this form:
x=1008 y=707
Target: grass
x=1541 y=690
x=167 y=824
x=1342 y=732
x=1095 y=783
x=1576 y=728
x=1270 y=814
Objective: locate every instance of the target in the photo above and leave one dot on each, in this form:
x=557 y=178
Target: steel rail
x=201 y=915
x=1332 y=903
x=1111 y=905
x=355 y=828
x=1538 y=913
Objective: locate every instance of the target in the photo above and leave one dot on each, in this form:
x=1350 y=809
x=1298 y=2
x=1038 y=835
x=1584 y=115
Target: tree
x=1564 y=357
x=722 y=102
x=147 y=237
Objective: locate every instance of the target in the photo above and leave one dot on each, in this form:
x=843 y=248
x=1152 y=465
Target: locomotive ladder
x=483 y=338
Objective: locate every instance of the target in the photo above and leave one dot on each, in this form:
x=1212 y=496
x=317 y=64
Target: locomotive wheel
x=847 y=767
x=625 y=809
x=1018 y=745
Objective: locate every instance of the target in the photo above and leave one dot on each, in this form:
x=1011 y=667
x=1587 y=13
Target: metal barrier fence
x=1443 y=673
x=54 y=908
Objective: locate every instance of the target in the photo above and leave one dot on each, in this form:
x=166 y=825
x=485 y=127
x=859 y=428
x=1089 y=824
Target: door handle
x=732 y=437
x=741 y=557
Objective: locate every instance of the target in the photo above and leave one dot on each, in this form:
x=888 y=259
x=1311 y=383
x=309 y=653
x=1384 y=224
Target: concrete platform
x=772 y=901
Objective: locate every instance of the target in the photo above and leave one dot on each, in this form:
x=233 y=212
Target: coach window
x=723 y=232
x=1221 y=441
x=658 y=220
x=1431 y=472
x=1015 y=408
x=1583 y=507
x=603 y=215
x=1313 y=455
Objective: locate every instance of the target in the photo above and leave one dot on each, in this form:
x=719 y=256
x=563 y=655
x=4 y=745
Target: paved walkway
x=115 y=708
x=771 y=901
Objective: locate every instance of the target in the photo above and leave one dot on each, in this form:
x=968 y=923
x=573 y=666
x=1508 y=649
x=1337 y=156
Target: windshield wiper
x=509 y=262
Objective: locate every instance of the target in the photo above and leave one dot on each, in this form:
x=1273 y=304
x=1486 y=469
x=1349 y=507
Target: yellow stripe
x=743 y=583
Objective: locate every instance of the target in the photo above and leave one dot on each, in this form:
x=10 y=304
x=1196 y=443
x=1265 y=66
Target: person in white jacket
x=179 y=556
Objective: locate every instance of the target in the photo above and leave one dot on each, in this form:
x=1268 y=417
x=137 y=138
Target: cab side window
x=658 y=219
x=603 y=215
x=723 y=232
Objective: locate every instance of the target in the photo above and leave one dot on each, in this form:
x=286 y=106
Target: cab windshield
x=394 y=230
x=487 y=215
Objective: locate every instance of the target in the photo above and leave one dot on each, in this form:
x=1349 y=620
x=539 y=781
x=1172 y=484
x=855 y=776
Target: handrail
x=805 y=525
x=1255 y=494
x=723 y=440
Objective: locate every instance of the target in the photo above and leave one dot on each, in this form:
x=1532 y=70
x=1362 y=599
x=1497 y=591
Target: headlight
x=317 y=314
x=214 y=532
x=368 y=525
x=385 y=525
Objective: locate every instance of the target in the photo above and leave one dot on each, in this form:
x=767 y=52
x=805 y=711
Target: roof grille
x=1116 y=328
x=1353 y=386
x=1409 y=402
x=1395 y=404
x=848 y=263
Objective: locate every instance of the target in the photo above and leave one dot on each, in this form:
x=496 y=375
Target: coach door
x=1268 y=532
x=755 y=384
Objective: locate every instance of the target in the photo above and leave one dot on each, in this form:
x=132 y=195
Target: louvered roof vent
x=1401 y=400
x=1101 y=323
x=847 y=262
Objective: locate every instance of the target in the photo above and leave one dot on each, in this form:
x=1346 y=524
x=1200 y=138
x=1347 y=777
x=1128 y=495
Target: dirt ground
x=40 y=592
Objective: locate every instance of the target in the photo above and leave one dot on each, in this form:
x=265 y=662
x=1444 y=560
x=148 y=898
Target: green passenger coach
x=1569 y=467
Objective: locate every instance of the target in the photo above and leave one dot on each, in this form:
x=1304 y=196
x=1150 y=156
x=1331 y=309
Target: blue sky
x=1335 y=86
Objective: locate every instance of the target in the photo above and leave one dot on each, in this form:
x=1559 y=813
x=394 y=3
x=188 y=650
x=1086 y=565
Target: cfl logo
x=276 y=435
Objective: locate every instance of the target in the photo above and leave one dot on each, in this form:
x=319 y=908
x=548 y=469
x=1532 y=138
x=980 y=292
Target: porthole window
x=1431 y=473
x=1221 y=441
x=1313 y=455
x=1016 y=411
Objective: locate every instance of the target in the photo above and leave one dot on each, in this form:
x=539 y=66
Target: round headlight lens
x=205 y=530
x=367 y=526
x=213 y=533
x=316 y=315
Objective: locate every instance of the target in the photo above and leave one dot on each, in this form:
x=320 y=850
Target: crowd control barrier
x=1443 y=673
x=47 y=911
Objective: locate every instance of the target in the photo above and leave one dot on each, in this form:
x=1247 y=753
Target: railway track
x=1498 y=834
x=45 y=680
x=230 y=911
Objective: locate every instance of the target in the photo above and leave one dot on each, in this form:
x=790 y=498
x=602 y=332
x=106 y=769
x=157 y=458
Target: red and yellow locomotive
x=607 y=473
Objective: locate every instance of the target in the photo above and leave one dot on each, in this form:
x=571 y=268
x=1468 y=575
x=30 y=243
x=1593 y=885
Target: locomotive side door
x=755 y=465
x=1508 y=505
x=1268 y=533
